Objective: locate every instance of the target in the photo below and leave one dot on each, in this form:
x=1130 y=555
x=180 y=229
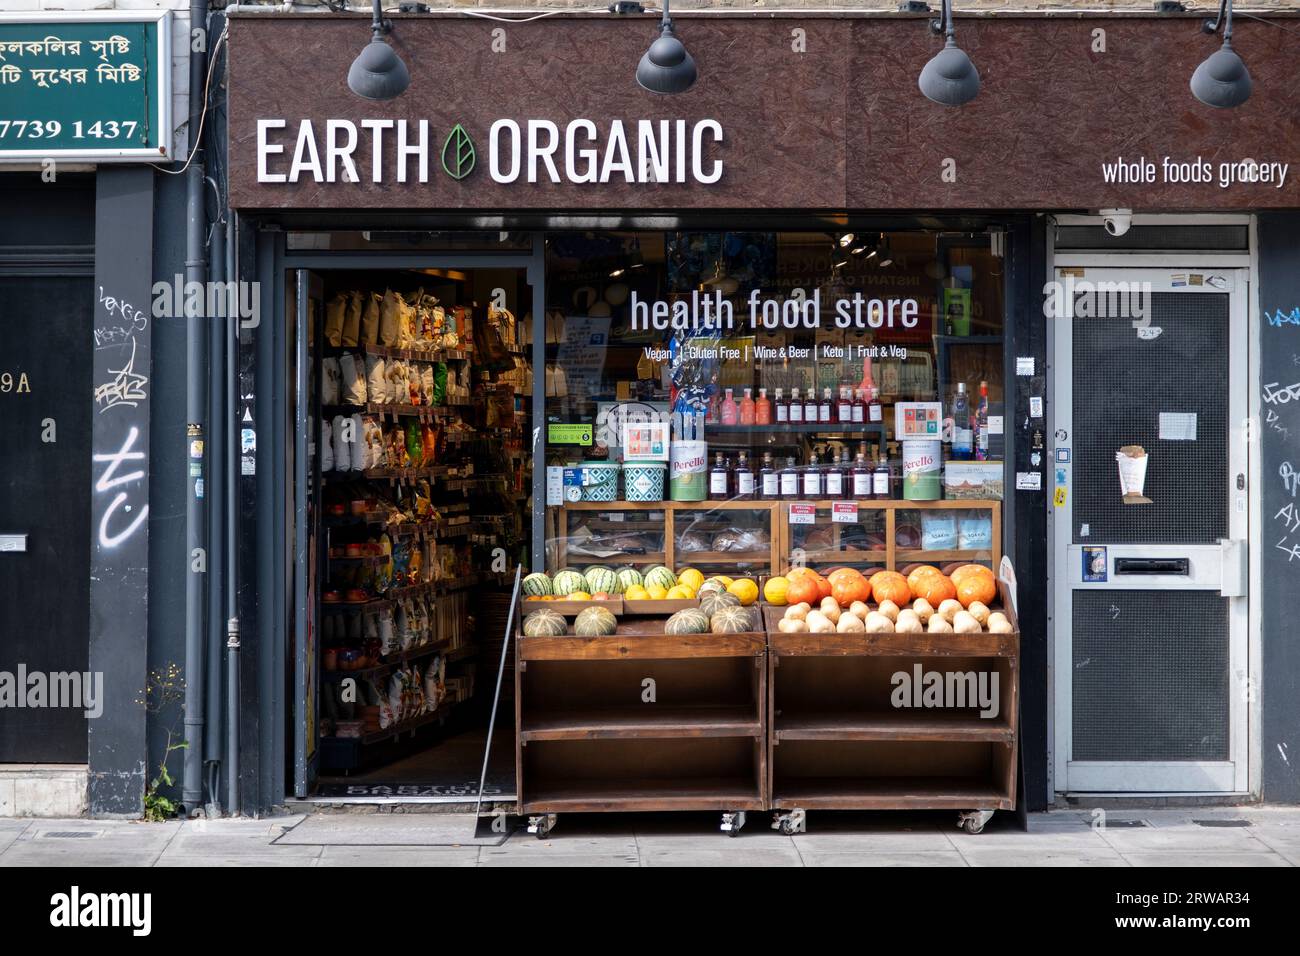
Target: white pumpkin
x=819 y=623
x=850 y=623
x=877 y=623
x=939 y=625
x=923 y=609
x=889 y=609
x=963 y=622
x=831 y=608
x=979 y=610
x=948 y=609
x=908 y=622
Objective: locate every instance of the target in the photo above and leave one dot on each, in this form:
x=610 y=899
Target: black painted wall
x=1279 y=325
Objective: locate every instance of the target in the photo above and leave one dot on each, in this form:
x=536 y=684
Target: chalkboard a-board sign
x=85 y=86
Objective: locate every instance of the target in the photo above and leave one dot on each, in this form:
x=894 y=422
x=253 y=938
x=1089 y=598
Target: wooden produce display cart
x=836 y=742
x=641 y=720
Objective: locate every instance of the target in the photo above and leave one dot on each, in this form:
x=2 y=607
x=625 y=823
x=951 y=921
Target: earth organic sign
x=82 y=87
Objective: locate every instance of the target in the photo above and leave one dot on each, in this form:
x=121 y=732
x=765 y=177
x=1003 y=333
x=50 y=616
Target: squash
x=788 y=626
x=923 y=609
x=877 y=623
x=963 y=622
x=690 y=621
x=731 y=620
x=948 y=609
x=545 y=623
x=796 y=612
x=831 y=608
x=999 y=624
x=801 y=589
x=819 y=623
x=980 y=612
x=968 y=570
x=849 y=586
x=935 y=588
x=595 y=622
x=889 y=609
x=938 y=625
x=890 y=586
x=916 y=574
x=976 y=588
x=849 y=624
x=714 y=601
x=908 y=622
x=859 y=609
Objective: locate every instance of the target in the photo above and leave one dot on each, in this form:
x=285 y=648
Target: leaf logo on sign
x=458 y=156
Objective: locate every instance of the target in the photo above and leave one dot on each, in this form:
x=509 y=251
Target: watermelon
x=545 y=623
x=537 y=584
x=600 y=578
x=690 y=621
x=568 y=581
x=659 y=576
x=629 y=577
x=595 y=622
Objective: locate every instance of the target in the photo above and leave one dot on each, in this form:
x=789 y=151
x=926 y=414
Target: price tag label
x=803 y=514
x=844 y=512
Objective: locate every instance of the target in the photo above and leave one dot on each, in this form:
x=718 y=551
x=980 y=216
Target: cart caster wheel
x=541 y=826
x=790 y=823
x=732 y=823
x=972 y=821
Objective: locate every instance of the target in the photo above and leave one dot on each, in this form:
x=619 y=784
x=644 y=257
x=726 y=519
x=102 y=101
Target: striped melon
x=595 y=622
x=600 y=578
x=690 y=621
x=714 y=601
x=568 y=581
x=659 y=576
x=537 y=584
x=731 y=620
x=545 y=623
x=627 y=578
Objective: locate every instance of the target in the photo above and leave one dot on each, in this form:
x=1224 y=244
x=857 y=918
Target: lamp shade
x=1222 y=80
x=950 y=78
x=378 y=73
x=666 y=66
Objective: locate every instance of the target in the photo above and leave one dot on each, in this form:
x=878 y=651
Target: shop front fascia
x=797 y=125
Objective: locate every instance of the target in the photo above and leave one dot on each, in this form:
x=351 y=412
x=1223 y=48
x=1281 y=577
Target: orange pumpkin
x=840 y=574
x=914 y=578
x=802 y=589
x=849 y=588
x=976 y=587
x=966 y=570
x=935 y=588
x=890 y=586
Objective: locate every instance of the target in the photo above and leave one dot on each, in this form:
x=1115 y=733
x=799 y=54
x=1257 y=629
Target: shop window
x=741 y=402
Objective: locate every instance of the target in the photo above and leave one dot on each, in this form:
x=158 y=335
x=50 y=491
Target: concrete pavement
x=1202 y=837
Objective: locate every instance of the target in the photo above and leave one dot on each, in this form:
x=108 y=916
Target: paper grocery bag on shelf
x=1132 y=462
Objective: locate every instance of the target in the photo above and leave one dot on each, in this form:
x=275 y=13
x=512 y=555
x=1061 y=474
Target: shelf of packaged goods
x=712 y=430
x=461 y=653
x=411 y=723
x=890 y=793
x=367 y=559
x=892 y=725
x=417 y=355
x=664 y=722
x=387 y=663
x=431 y=589
x=396 y=474
x=754 y=505
x=395 y=409
x=364 y=607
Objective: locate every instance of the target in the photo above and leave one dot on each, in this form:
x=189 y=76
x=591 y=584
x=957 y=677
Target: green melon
x=545 y=623
x=568 y=581
x=659 y=576
x=629 y=577
x=600 y=578
x=731 y=620
x=690 y=621
x=595 y=622
x=537 y=584
x=714 y=601
x=712 y=587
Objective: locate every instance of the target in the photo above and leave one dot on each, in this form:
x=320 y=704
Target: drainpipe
x=196 y=396
x=232 y=531
x=215 y=496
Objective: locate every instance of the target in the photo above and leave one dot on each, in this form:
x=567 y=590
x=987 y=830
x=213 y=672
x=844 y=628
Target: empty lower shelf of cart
x=702 y=793
x=656 y=721
x=892 y=726
x=887 y=793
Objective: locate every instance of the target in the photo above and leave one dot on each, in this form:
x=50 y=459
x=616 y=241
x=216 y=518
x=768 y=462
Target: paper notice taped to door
x=1132 y=462
x=1178 y=426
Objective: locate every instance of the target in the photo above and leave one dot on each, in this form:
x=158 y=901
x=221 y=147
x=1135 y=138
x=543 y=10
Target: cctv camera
x=1117 y=221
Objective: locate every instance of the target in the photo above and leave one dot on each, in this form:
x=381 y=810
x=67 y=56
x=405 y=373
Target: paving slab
x=557 y=859
x=1206 y=860
x=1191 y=838
x=740 y=855
x=104 y=843
x=1042 y=855
x=397 y=856
x=814 y=857
x=523 y=844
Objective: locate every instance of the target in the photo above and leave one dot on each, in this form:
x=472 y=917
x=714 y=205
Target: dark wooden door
x=46 y=346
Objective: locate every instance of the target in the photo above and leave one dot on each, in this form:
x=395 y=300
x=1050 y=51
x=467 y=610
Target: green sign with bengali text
x=93 y=87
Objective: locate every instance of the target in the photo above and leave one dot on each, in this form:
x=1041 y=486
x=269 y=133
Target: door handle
x=1234 y=567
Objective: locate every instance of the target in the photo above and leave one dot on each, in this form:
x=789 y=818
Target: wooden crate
x=589 y=741
x=835 y=741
